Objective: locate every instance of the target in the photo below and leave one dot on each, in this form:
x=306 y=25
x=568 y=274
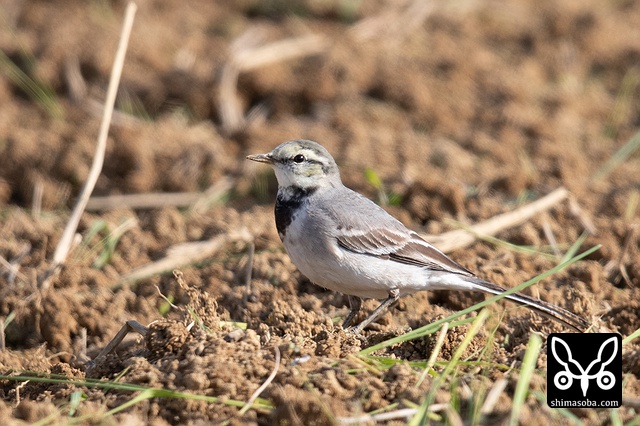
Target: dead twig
x=395 y=23
x=183 y=254
x=460 y=238
x=14 y=270
x=165 y=298
x=453 y=417
x=82 y=355
x=266 y=383
x=403 y=413
x=246 y=59
x=548 y=232
x=18 y=388
x=629 y=241
x=128 y=327
x=75 y=82
x=142 y=201
x=13 y=266
x=492 y=396
x=434 y=354
x=78 y=94
x=199 y=201
x=36 y=203
x=214 y=194
x=64 y=246
x=585 y=220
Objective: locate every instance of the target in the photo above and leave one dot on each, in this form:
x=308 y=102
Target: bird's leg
x=393 y=296
x=355 y=303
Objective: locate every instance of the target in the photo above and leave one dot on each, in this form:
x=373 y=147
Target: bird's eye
x=299 y=158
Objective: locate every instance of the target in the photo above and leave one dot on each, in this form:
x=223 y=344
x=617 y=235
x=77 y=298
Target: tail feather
x=547 y=309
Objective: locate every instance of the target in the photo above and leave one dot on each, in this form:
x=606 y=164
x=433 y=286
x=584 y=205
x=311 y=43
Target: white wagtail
x=345 y=242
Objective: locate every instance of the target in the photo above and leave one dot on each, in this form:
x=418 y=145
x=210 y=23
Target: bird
x=341 y=240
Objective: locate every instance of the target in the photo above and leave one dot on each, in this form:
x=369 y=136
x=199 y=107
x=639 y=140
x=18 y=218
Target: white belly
x=325 y=263
x=330 y=266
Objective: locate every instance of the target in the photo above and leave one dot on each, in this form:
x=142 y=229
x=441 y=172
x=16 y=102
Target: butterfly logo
x=573 y=370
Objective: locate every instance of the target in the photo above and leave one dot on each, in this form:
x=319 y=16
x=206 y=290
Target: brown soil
x=465 y=114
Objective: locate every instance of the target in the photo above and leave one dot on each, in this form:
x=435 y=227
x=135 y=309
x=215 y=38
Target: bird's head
x=301 y=163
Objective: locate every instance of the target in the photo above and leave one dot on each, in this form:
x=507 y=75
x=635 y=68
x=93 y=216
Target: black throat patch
x=288 y=203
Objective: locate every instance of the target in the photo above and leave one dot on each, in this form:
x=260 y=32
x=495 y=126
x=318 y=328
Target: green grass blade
x=74 y=402
x=631 y=337
x=421 y=415
x=575 y=247
x=146 y=392
x=502 y=243
x=39 y=91
x=623 y=104
x=614 y=415
x=434 y=353
x=526 y=371
x=9 y=319
x=619 y=157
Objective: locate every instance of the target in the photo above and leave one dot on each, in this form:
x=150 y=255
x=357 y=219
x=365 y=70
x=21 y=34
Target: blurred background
x=520 y=95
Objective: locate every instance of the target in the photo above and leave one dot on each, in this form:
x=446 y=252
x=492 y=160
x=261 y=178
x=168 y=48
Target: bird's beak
x=261 y=158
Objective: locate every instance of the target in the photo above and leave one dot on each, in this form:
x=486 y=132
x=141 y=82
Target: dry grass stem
x=118 y=118
x=73 y=77
x=434 y=354
x=279 y=51
x=579 y=213
x=266 y=383
x=629 y=241
x=36 y=202
x=183 y=254
x=82 y=355
x=165 y=298
x=214 y=194
x=395 y=23
x=64 y=246
x=453 y=417
x=460 y=238
x=249 y=58
x=371 y=369
x=231 y=113
x=128 y=327
x=493 y=396
x=18 y=389
x=548 y=233
x=143 y=201
x=403 y=413
x=13 y=269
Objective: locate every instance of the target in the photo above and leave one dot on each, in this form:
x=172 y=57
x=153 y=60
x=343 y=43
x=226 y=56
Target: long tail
x=547 y=309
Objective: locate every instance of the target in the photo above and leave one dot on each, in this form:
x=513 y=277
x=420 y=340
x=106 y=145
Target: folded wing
x=366 y=228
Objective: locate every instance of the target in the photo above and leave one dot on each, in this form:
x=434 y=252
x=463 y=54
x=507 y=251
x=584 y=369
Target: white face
x=299 y=167
x=301 y=163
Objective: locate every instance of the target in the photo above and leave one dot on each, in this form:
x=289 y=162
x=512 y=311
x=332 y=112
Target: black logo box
x=584 y=370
